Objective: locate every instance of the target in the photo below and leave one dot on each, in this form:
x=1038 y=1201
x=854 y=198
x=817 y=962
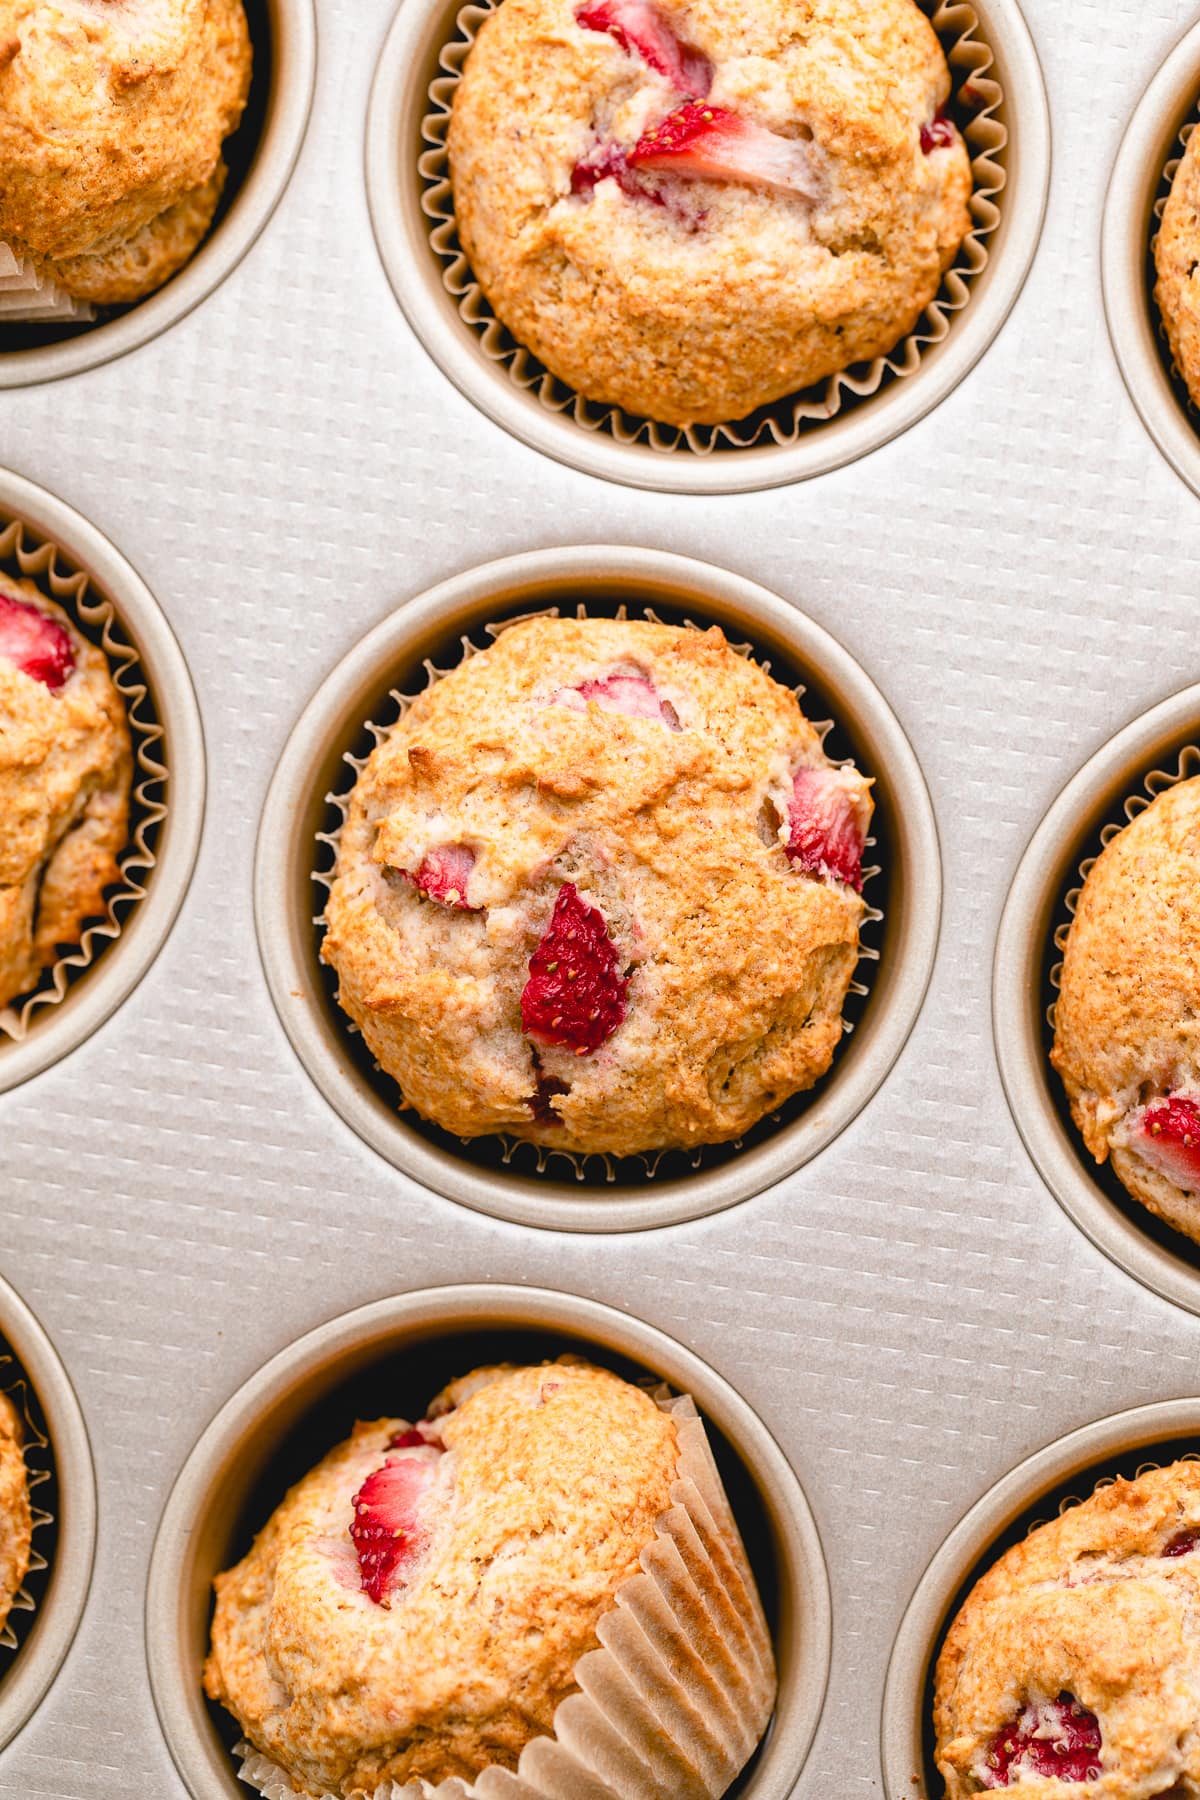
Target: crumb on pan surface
x=638 y=796
x=112 y=119
x=538 y=1509
x=16 y=1514
x=1177 y=260
x=687 y=296
x=1071 y=1667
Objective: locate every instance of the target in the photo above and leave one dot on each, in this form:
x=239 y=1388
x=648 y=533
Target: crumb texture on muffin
x=1076 y=1658
x=1177 y=262
x=65 y=773
x=692 y=210
x=599 y=889
x=113 y=114
x=16 y=1513
x=1127 y=1020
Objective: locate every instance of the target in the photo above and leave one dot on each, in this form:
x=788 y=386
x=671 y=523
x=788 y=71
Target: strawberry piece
x=825 y=826
x=712 y=144
x=1183 y=1543
x=631 y=695
x=35 y=642
x=387 y=1530
x=939 y=134
x=575 y=995
x=1167 y=1136
x=607 y=163
x=1056 y=1741
x=444 y=874
x=641 y=30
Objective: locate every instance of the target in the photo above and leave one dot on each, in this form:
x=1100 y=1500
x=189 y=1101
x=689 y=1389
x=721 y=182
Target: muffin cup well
x=286 y=1416
x=521 y=1182
x=1044 y=1485
x=1137 y=193
x=1007 y=128
x=44 y=541
x=1153 y=753
x=261 y=154
x=62 y=1486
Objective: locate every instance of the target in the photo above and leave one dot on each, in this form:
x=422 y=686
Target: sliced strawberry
x=575 y=995
x=1056 y=1741
x=1183 y=1543
x=711 y=144
x=826 y=828
x=35 y=642
x=1167 y=1136
x=632 y=695
x=444 y=874
x=939 y=134
x=607 y=163
x=387 y=1530
x=641 y=29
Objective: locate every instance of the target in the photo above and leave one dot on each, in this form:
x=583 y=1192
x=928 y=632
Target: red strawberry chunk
x=1056 y=1741
x=1167 y=1136
x=35 y=642
x=939 y=134
x=825 y=829
x=607 y=163
x=387 y=1529
x=1183 y=1543
x=712 y=144
x=444 y=874
x=575 y=995
x=641 y=29
x=631 y=695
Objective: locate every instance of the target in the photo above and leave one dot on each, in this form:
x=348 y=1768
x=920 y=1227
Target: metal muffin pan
x=1034 y=1492
x=396 y=190
x=118 y=968
x=594 y=1195
x=392 y=1356
x=1026 y=952
x=262 y=154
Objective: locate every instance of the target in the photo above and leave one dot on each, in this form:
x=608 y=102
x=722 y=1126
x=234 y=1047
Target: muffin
x=690 y=211
x=16 y=1514
x=112 y=119
x=600 y=888
x=65 y=773
x=1127 y=1036
x=1074 y=1659
x=418 y=1605
x=1176 y=256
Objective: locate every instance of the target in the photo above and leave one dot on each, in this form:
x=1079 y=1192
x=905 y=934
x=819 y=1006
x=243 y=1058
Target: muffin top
x=1076 y=1658
x=65 y=772
x=599 y=888
x=112 y=117
x=690 y=210
x=417 y=1604
x=1127 y=1038
x=16 y=1515
x=1176 y=259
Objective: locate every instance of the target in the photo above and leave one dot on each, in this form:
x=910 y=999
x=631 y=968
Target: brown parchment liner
x=1166 y=183
x=597 y=1165
x=678 y=1696
x=39 y=1471
x=49 y=568
x=977 y=95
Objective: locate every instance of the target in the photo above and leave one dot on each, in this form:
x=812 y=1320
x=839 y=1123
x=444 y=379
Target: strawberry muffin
x=1127 y=1038
x=1074 y=1664
x=112 y=118
x=417 y=1606
x=16 y=1514
x=65 y=772
x=1176 y=258
x=601 y=888
x=692 y=209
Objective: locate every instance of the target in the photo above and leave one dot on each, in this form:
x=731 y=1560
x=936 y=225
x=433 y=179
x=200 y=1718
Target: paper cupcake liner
x=596 y=1166
x=977 y=95
x=39 y=1465
x=26 y=296
x=677 y=1698
x=22 y=553
x=1166 y=183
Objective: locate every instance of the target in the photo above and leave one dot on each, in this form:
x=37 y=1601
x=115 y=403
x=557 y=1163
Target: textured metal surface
x=910 y=1314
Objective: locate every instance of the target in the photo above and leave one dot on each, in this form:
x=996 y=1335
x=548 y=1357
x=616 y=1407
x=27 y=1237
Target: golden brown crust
x=16 y=1513
x=547 y=1494
x=112 y=119
x=740 y=964
x=1177 y=261
x=65 y=773
x=754 y=293
x=1086 y=1606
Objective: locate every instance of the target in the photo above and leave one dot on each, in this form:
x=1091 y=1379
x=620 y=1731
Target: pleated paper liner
x=1166 y=182
x=595 y=1169
x=24 y=555
x=26 y=296
x=679 y=1693
x=977 y=98
x=39 y=1463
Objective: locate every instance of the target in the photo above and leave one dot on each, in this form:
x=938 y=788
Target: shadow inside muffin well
x=44 y=1499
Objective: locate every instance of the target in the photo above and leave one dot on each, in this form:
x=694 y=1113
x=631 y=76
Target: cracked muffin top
x=1127 y=1037
x=600 y=888
x=16 y=1514
x=418 y=1603
x=691 y=210
x=1177 y=259
x=112 y=118
x=1073 y=1665
x=65 y=773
